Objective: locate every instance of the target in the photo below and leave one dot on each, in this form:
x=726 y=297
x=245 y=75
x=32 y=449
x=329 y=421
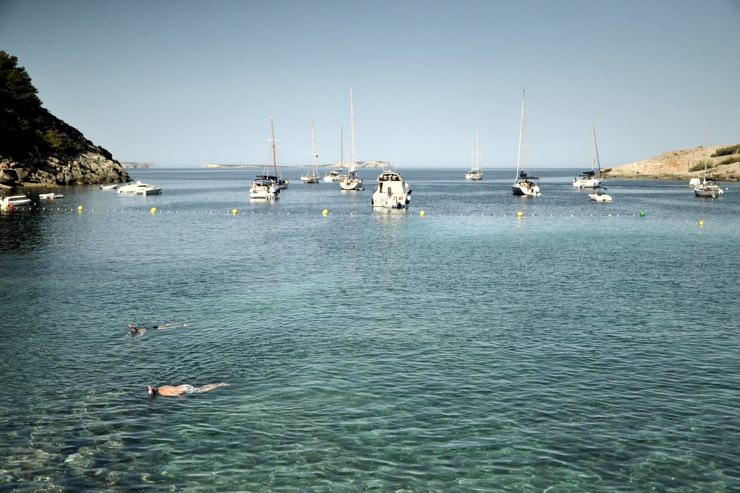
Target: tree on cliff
x=26 y=127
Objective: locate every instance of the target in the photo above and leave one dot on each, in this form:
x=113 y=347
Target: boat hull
x=525 y=189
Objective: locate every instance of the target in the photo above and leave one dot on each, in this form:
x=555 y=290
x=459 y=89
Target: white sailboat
x=313 y=175
x=338 y=173
x=267 y=187
x=475 y=173
x=592 y=178
x=710 y=189
x=523 y=186
x=352 y=181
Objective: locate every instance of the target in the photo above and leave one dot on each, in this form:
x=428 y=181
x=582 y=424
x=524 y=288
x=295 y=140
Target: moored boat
x=476 y=172
x=523 y=186
x=14 y=200
x=391 y=191
x=139 y=188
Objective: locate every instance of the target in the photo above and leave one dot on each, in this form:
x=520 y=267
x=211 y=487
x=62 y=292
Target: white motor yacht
x=391 y=191
x=600 y=196
x=264 y=189
x=50 y=196
x=139 y=188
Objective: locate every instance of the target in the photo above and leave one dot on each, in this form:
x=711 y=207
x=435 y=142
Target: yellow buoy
x=701 y=223
x=153 y=210
x=235 y=211
x=325 y=212
x=80 y=208
x=422 y=213
x=519 y=214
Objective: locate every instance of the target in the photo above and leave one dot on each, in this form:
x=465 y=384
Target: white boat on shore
x=391 y=191
x=139 y=188
x=14 y=200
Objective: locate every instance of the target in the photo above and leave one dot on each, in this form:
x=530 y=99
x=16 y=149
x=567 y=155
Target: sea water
x=581 y=347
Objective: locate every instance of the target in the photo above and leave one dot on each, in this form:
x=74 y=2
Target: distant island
x=722 y=164
x=134 y=165
x=36 y=147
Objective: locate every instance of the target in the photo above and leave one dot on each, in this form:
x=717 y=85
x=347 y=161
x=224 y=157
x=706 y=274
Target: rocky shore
x=82 y=169
x=678 y=165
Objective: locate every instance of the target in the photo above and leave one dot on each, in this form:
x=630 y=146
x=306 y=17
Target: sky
x=183 y=83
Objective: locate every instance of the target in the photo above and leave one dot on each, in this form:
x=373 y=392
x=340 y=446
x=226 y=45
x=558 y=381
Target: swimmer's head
x=152 y=391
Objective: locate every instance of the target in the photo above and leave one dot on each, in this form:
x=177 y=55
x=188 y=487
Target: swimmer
x=178 y=390
x=137 y=330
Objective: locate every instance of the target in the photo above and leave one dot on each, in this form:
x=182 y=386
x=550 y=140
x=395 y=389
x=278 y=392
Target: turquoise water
x=580 y=348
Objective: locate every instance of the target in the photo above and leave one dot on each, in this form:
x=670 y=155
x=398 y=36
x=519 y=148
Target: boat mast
x=520 y=150
x=709 y=132
x=477 y=151
x=352 y=127
x=314 y=156
x=596 y=149
x=274 y=151
x=341 y=146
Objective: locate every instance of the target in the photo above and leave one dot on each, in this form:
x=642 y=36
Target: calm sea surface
x=584 y=347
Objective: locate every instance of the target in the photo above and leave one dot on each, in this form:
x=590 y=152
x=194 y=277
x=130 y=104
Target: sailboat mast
x=341 y=146
x=596 y=149
x=520 y=150
x=314 y=156
x=352 y=127
x=274 y=151
x=477 y=150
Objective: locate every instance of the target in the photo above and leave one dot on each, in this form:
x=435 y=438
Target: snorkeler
x=137 y=330
x=178 y=390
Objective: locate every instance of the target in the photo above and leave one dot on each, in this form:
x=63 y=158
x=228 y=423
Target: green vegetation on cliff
x=28 y=129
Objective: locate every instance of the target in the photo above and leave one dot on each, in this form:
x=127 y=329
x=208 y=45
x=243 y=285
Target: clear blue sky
x=187 y=82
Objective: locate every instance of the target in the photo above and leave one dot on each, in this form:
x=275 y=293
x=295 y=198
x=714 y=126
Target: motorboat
x=112 y=186
x=391 y=191
x=313 y=175
x=333 y=175
x=50 y=196
x=263 y=189
x=523 y=186
x=14 y=200
x=475 y=173
x=139 y=188
x=600 y=196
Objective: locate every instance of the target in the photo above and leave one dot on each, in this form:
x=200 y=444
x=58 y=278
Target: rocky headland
x=37 y=148
x=722 y=164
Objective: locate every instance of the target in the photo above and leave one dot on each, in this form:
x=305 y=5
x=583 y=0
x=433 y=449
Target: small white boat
x=600 y=196
x=139 y=188
x=263 y=189
x=50 y=196
x=113 y=186
x=333 y=175
x=523 y=186
x=313 y=175
x=14 y=200
x=391 y=191
x=475 y=173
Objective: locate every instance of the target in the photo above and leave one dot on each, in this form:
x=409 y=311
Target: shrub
x=726 y=151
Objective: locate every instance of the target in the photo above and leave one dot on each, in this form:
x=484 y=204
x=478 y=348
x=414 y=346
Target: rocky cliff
x=722 y=164
x=38 y=148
